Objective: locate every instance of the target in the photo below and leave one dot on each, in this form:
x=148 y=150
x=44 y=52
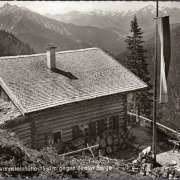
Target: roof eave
x=57 y=106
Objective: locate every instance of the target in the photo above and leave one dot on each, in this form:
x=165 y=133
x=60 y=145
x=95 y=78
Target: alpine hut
x=64 y=95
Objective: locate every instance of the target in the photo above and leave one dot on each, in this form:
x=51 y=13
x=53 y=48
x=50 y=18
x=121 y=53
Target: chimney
x=51 y=56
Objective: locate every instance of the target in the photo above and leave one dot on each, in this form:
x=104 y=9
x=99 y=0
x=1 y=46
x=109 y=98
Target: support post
x=155 y=90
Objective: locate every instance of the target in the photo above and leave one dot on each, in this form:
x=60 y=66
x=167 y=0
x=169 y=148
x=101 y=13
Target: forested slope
x=10 y=45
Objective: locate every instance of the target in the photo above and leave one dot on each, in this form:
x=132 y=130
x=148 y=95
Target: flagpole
x=155 y=89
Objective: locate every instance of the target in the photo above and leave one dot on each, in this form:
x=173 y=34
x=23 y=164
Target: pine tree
x=136 y=63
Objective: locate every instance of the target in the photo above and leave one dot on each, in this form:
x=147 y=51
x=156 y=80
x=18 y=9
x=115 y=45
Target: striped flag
x=164 y=33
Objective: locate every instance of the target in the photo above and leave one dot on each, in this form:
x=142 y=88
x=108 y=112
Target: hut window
x=84 y=130
x=57 y=136
x=108 y=123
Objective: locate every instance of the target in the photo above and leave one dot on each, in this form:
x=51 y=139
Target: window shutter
x=92 y=129
x=115 y=122
x=100 y=126
x=75 y=132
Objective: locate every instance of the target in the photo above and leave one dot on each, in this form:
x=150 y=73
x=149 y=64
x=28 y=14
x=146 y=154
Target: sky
x=55 y=7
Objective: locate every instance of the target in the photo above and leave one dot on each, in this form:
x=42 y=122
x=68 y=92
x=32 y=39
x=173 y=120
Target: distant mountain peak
x=8 y=8
x=7 y=5
x=150 y=7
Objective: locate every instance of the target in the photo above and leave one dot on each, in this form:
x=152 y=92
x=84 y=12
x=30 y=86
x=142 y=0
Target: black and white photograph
x=89 y=89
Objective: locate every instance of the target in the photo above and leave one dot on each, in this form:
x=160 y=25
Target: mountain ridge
x=65 y=36
x=117 y=19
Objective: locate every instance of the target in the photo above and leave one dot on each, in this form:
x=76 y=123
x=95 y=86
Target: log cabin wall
x=67 y=117
x=39 y=127
x=22 y=128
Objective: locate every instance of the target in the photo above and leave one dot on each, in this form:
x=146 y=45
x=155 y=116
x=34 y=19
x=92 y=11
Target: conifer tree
x=136 y=63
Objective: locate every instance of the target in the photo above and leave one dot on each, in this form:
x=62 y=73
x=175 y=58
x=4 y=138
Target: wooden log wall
x=66 y=117
x=36 y=129
x=23 y=131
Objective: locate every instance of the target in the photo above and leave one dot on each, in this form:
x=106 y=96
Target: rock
x=147 y=150
x=170 y=176
x=165 y=174
x=177 y=174
x=148 y=168
x=142 y=172
x=171 y=170
x=172 y=163
x=135 y=161
x=141 y=156
x=177 y=168
x=143 y=161
x=156 y=172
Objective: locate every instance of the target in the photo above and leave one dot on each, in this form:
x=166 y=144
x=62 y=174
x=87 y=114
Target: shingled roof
x=80 y=75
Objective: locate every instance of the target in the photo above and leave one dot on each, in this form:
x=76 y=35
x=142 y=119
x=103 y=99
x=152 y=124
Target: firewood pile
x=112 y=141
x=109 y=142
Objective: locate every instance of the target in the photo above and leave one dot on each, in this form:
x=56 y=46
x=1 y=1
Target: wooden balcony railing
x=148 y=122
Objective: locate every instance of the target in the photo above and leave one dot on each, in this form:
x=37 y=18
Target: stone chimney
x=51 y=56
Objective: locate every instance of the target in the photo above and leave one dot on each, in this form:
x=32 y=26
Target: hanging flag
x=164 y=33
